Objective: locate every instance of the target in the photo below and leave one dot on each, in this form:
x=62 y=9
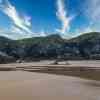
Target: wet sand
x=89 y=69
x=20 y=85
x=83 y=63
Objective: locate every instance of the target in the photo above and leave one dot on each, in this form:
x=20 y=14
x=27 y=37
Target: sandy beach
x=20 y=85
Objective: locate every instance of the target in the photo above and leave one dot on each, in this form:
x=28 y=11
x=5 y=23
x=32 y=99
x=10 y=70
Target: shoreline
x=73 y=68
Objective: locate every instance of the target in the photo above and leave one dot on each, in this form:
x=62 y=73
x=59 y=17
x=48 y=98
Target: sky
x=31 y=18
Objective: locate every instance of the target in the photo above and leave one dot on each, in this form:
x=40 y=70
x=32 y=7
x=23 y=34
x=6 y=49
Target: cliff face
x=86 y=46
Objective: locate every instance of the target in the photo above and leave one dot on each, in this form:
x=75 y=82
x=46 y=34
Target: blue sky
x=29 y=18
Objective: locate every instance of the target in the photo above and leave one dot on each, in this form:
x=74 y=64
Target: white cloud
x=43 y=33
x=27 y=20
x=92 y=12
x=62 y=15
x=7 y=34
x=86 y=30
x=20 y=22
x=83 y=30
x=13 y=33
x=15 y=29
x=20 y=26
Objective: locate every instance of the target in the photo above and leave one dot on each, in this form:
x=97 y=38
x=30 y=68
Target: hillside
x=86 y=46
x=92 y=37
x=51 y=39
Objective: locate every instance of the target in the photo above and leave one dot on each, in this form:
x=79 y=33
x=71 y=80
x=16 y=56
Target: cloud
x=13 y=33
x=5 y=33
x=20 y=26
x=42 y=33
x=27 y=21
x=83 y=30
x=22 y=23
x=15 y=29
x=62 y=15
x=92 y=12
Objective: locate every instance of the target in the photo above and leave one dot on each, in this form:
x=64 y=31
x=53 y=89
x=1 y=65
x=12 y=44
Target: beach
x=46 y=81
x=19 y=85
